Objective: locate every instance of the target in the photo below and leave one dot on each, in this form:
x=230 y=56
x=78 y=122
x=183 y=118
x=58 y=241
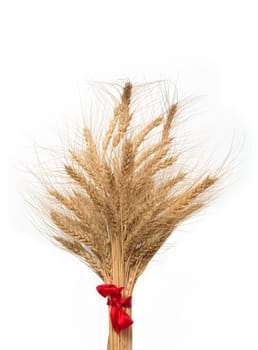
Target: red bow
x=119 y=318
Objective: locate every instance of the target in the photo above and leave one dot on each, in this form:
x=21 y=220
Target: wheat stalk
x=115 y=210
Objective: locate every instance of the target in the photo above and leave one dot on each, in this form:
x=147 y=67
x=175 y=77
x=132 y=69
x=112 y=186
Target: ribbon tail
x=124 y=320
x=114 y=315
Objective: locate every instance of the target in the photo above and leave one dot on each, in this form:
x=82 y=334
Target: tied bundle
x=123 y=196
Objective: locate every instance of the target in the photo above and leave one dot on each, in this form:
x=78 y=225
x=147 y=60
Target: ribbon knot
x=119 y=318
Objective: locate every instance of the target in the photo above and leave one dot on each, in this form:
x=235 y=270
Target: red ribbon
x=119 y=318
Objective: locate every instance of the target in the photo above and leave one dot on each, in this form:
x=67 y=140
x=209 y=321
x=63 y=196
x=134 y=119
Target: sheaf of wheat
x=123 y=196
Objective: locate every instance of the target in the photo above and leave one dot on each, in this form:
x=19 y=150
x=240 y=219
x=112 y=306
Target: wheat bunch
x=116 y=210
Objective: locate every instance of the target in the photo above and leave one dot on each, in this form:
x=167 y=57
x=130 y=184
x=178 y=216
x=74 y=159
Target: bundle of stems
x=122 y=199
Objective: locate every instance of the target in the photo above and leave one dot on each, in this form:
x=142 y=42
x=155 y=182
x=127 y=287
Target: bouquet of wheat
x=122 y=198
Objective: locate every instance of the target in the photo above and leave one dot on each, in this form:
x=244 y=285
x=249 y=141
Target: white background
x=202 y=292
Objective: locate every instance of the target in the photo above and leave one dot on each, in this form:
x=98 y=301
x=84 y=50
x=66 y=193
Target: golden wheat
x=114 y=212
